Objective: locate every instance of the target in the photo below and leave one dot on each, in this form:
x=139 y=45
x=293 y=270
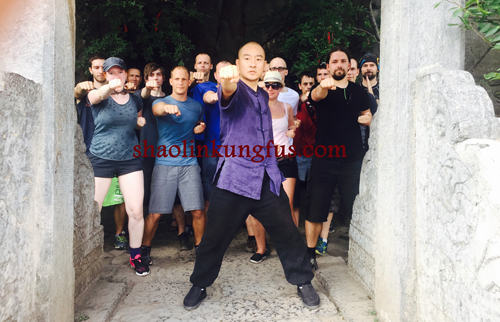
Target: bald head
x=250 y=62
x=279 y=64
x=251 y=46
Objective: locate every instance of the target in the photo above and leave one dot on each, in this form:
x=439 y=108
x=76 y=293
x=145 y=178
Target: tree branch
x=377 y=31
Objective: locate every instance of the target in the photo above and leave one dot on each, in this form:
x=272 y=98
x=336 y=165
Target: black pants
x=226 y=215
x=325 y=176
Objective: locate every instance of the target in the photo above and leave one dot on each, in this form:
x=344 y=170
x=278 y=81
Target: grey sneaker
x=308 y=295
x=184 y=242
x=121 y=241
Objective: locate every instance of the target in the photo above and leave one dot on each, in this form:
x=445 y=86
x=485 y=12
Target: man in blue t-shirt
x=176 y=170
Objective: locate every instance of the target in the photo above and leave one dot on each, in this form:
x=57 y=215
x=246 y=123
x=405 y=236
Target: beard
x=339 y=76
x=371 y=75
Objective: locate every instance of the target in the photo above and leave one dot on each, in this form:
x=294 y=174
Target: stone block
x=99 y=304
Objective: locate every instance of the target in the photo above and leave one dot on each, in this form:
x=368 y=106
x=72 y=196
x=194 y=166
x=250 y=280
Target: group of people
x=145 y=140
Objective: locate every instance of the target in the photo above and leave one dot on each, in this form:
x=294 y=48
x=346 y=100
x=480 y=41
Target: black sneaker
x=189 y=230
x=308 y=295
x=146 y=255
x=251 y=246
x=313 y=262
x=184 y=242
x=257 y=258
x=194 y=298
x=141 y=268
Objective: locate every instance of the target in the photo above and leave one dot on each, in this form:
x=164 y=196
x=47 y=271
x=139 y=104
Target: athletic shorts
x=109 y=168
x=288 y=166
x=167 y=181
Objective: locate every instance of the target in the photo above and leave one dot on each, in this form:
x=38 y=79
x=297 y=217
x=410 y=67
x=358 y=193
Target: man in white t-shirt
x=287 y=95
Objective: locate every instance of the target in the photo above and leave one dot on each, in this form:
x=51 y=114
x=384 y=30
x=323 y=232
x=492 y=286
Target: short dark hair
x=322 y=66
x=306 y=74
x=94 y=57
x=178 y=67
x=151 y=67
x=339 y=48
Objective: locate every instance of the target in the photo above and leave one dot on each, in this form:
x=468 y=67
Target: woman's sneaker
x=321 y=246
x=141 y=268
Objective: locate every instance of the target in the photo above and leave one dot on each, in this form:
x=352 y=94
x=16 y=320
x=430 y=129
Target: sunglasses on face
x=275 y=86
x=279 y=69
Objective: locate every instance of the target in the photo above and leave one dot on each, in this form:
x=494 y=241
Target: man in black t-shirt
x=340 y=106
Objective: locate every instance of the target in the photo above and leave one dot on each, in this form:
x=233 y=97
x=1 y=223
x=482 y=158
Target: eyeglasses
x=275 y=86
x=279 y=69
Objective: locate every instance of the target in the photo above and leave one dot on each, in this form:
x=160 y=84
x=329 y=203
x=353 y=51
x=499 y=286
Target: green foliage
x=308 y=42
x=148 y=30
x=483 y=17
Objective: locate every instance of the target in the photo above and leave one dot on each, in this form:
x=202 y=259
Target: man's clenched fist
x=328 y=83
x=199 y=128
x=199 y=77
x=152 y=85
x=172 y=109
x=130 y=86
x=86 y=86
x=141 y=121
x=365 y=119
x=230 y=73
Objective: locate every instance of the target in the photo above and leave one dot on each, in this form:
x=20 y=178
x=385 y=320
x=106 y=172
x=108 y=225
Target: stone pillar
x=383 y=241
x=37 y=156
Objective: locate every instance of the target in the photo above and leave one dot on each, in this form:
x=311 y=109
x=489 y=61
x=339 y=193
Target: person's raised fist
x=130 y=86
x=172 y=109
x=230 y=73
x=115 y=84
x=328 y=83
x=215 y=98
x=86 y=86
x=304 y=97
x=141 y=121
x=199 y=128
x=199 y=77
x=152 y=85
x=297 y=123
x=364 y=119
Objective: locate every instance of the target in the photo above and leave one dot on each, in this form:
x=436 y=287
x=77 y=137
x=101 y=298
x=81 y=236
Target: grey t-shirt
x=114 y=136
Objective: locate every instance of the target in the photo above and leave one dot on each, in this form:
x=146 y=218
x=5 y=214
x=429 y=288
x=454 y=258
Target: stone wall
x=38 y=165
x=88 y=232
x=457 y=205
x=424 y=235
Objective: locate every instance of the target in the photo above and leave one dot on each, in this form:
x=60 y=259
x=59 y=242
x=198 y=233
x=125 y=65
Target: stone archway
x=424 y=235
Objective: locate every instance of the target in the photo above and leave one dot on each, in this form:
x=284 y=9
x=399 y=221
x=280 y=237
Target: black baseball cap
x=113 y=61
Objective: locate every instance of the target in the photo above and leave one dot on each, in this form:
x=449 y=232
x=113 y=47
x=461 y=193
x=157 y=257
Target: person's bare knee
x=198 y=214
x=134 y=212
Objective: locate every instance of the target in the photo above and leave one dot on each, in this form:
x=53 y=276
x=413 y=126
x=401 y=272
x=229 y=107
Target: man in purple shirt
x=250 y=183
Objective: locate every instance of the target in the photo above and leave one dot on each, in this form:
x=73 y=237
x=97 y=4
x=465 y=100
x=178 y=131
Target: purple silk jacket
x=246 y=121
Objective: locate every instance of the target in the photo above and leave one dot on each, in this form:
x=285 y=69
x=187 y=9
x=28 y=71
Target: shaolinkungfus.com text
x=256 y=153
